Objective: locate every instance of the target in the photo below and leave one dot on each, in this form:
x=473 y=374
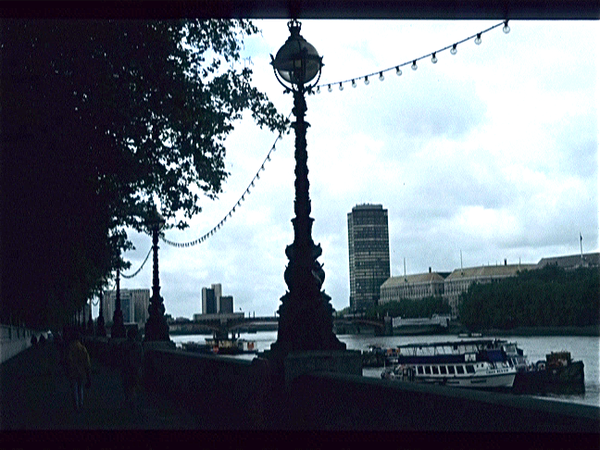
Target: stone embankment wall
x=343 y=402
x=13 y=340
x=226 y=393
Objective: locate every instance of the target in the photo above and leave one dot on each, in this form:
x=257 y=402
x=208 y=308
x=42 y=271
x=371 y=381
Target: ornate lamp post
x=100 y=330
x=157 y=328
x=305 y=314
x=118 y=327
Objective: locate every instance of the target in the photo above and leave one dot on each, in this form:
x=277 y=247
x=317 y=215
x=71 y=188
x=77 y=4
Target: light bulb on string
x=506 y=28
x=478 y=39
x=367 y=81
x=381 y=77
x=434 y=58
x=318 y=89
x=329 y=88
x=414 y=65
x=353 y=83
x=341 y=87
x=398 y=71
x=453 y=50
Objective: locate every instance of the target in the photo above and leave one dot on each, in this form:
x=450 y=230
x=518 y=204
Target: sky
x=487 y=155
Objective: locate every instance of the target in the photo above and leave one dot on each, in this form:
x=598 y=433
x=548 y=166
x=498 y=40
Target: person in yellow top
x=78 y=370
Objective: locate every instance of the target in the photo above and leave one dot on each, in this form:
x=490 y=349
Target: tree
x=100 y=120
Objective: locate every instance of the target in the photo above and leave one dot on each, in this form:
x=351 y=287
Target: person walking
x=78 y=369
x=131 y=370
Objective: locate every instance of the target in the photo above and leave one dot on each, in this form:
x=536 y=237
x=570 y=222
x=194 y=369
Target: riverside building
x=369 y=254
x=412 y=287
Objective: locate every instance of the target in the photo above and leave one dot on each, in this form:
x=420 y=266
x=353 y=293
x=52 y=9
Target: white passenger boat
x=478 y=364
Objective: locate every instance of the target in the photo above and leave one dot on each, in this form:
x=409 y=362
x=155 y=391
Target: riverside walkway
x=35 y=395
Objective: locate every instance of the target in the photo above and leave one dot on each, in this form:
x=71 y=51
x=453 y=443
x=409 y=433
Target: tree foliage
x=549 y=296
x=408 y=308
x=100 y=120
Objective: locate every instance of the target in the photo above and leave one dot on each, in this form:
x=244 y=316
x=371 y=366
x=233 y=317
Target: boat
x=558 y=374
x=436 y=324
x=231 y=346
x=223 y=346
x=476 y=364
x=195 y=347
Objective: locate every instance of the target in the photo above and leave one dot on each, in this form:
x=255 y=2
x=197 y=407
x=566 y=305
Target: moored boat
x=558 y=374
x=477 y=364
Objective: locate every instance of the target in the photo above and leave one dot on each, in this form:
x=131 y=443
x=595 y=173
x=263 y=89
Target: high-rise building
x=214 y=302
x=134 y=305
x=369 y=254
x=209 y=301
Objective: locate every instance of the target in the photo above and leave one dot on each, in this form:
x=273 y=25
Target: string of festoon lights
x=235 y=207
x=412 y=62
x=141 y=267
x=329 y=86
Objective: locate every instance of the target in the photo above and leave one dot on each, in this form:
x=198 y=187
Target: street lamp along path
x=305 y=313
x=157 y=328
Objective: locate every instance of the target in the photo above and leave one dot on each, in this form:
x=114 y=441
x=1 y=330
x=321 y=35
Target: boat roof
x=460 y=342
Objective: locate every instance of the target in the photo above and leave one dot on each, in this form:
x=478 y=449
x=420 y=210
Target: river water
x=582 y=348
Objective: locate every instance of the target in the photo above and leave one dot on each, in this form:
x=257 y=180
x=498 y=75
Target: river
x=582 y=348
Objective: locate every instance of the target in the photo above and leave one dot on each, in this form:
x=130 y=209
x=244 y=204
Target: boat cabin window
x=451 y=370
x=470 y=368
x=460 y=370
x=428 y=370
x=435 y=370
x=443 y=370
x=420 y=370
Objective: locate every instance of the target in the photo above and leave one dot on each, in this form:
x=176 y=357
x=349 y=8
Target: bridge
x=237 y=323
x=223 y=323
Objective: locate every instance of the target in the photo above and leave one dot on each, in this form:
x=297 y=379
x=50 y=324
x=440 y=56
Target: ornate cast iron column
x=157 y=328
x=305 y=314
x=118 y=327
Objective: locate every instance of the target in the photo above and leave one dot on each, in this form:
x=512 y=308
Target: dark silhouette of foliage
x=550 y=296
x=101 y=118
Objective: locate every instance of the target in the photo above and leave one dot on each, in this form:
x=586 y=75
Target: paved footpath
x=35 y=395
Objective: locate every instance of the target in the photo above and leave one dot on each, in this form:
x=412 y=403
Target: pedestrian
x=131 y=369
x=78 y=369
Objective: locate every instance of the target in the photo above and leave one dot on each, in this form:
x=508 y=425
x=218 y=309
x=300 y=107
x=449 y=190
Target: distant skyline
x=492 y=152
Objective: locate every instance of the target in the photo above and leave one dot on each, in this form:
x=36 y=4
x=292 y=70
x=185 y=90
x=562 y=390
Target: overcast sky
x=492 y=152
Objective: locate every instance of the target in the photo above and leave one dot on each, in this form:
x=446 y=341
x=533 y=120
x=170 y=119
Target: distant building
x=460 y=280
x=209 y=301
x=412 y=287
x=213 y=302
x=134 y=305
x=571 y=262
x=369 y=254
x=226 y=304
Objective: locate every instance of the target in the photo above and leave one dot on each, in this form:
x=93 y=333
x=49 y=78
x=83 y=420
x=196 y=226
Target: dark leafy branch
x=99 y=120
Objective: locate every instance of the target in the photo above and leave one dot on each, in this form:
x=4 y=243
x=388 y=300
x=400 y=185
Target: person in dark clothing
x=131 y=369
x=78 y=369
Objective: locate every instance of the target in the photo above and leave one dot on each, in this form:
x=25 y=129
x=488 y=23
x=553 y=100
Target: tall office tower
x=369 y=254
x=209 y=301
